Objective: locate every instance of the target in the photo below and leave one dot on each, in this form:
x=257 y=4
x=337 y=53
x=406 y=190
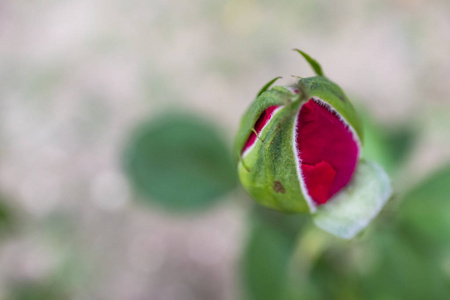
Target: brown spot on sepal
x=278 y=187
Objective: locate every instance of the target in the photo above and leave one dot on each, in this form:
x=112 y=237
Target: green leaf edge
x=329 y=217
x=267 y=86
x=312 y=62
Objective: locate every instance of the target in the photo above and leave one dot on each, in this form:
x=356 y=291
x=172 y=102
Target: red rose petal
x=327 y=151
x=320 y=179
x=262 y=121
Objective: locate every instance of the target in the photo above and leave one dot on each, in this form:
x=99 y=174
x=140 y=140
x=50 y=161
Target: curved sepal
x=312 y=62
x=267 y=86
x=356 y=205
x=276 y=96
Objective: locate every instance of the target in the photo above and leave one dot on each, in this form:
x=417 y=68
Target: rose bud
x=299 y=149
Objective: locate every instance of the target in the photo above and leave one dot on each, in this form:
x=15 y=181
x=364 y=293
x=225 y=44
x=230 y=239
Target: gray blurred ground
x=76 y=76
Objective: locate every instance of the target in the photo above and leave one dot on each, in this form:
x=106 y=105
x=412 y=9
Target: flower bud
x=299 y=148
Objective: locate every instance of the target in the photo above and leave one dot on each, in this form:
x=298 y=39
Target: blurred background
x=108 y=107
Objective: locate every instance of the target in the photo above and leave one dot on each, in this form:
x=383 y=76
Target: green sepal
x=275 y=96
x=312 y=62
x=352 y=209
x=267 y=86
x=268 y=171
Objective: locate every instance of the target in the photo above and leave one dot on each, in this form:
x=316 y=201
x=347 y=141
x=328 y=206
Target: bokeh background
x=77 y=77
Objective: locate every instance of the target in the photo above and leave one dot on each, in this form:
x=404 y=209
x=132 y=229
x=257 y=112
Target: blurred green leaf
x=179 y=162
x=37 y=291
x=385 y=264
x=425 y=209
x=387 y=146
x=332 y=277
x=268 y=252
x=401 y=270
x=400 y=142
x=5 y=216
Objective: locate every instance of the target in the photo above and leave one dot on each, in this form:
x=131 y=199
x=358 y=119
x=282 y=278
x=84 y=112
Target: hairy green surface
x=275 y=96
x=268 y=172
x=357 y=204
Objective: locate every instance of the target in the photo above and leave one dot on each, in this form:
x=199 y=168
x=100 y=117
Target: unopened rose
x=299 y=149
